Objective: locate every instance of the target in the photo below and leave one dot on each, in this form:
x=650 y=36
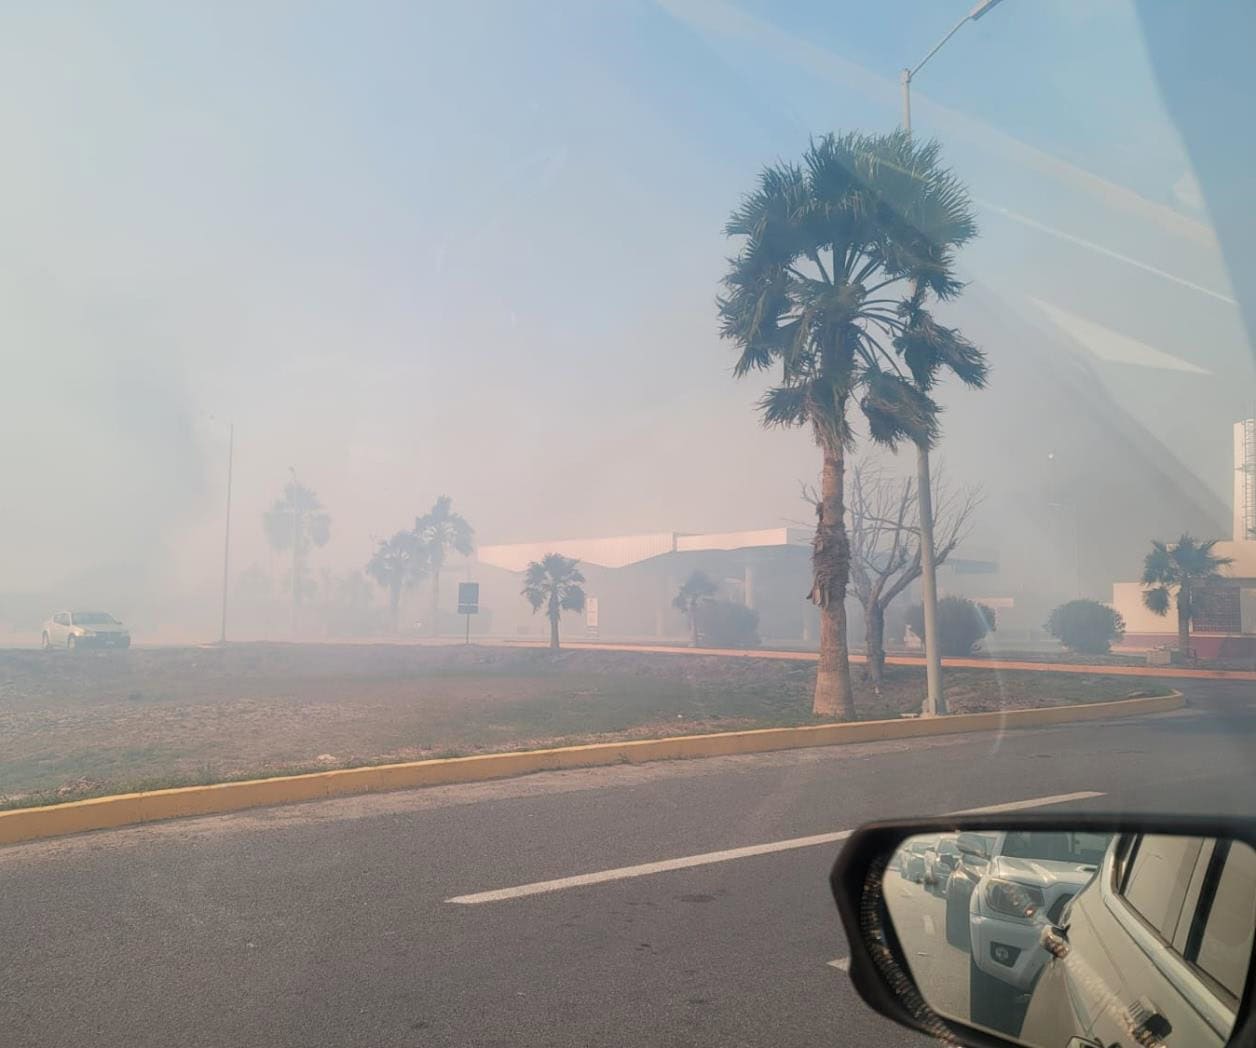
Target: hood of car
x=1041 y=872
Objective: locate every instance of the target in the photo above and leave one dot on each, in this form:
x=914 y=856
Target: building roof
x=621 y=550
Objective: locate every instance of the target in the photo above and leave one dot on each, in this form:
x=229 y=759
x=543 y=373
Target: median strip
x=26 y=824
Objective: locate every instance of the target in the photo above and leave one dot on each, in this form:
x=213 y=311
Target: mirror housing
x=879 y=968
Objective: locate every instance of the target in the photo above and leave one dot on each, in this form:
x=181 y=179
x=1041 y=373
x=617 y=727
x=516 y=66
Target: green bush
x=726 y=624
x=961 y=624
x=1086 y=626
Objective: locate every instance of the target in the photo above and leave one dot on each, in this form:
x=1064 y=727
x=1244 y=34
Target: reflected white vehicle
x=940 y=861
x=1026 y=884
x=912 y=859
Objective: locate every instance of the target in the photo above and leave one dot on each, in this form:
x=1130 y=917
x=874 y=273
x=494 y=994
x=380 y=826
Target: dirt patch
x=77 y=725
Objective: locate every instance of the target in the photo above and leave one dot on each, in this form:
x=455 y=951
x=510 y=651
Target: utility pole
x=935 y=697
x=226 y=542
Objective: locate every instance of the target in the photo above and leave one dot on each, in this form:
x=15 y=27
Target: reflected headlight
x=1012 y=899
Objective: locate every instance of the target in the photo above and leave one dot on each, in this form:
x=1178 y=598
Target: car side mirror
x=1051 y=930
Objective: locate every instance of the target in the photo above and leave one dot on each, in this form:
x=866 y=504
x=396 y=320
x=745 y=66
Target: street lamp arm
x=982 y=7
x=938 y=46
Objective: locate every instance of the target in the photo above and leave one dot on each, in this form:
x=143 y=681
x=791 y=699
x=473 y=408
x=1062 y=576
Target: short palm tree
x=397 y=564
x=554 y=583
x=1179 y=572
x=838 y=257
x=694 y=591
x=297 y=522
x=440 y=530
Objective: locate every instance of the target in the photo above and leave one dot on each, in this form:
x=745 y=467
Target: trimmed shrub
x=961 y=624
x=1086 y=626
x=727 y=624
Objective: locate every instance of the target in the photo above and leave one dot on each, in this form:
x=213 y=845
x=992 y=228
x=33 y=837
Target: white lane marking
x=930 y=929
x=1033 y=802
x=707 y=858
x=842 y=964
x=624 y=872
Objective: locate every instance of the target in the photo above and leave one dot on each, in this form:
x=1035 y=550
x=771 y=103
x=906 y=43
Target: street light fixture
x=935 y=700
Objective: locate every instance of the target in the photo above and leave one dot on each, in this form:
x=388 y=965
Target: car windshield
x=92 y=618
x=556 y=469
x=1085 y=848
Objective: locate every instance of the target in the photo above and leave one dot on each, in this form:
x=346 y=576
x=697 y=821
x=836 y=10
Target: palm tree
x=398 y=563
x=695 y=590
x=440 y=530
x=1180 y=570
x=297 y=522
x=837 y=260
x=554 y=582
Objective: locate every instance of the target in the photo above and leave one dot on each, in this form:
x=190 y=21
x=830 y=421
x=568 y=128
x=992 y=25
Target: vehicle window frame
x=1199 y=991
x=1127 y=869
x=1199 y=921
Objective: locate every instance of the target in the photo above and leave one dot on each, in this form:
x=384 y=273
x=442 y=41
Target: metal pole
x=226 y=542
x=935 y=697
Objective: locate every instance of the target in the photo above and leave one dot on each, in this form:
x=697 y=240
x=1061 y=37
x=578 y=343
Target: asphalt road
x=329 y=924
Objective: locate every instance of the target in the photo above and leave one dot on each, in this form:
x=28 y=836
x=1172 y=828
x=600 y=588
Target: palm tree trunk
x=875 y=643
x=1184 y=621
x=554 y=612
x=394 y=605
x=435 y=599
x=693 y=626
x=830 y=565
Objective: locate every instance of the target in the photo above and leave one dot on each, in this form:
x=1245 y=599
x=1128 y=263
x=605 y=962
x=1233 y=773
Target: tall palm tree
x=297 y=522
x=440 y=530
x=1180 y=571
x=694 y=591
x=555 y=583
x=831 y=250
x=398 y=563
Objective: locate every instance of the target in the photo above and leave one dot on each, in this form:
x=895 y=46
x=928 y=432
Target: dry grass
x=73 y=726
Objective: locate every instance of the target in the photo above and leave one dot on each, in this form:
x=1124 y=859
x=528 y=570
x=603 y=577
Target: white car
x=84 y=629
x=1025 y=885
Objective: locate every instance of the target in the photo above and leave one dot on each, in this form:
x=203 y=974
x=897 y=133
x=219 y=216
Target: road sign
x=468 y=598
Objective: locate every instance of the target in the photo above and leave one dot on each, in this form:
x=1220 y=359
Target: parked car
x=83 y=629
x=939 y=862
x=1028 y=881
x=974 y=851
x=1157 y=944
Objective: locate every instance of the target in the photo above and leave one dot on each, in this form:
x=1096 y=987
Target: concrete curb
x=102 y=813
x=950 y=662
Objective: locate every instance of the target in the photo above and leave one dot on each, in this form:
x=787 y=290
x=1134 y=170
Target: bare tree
x=885 y=542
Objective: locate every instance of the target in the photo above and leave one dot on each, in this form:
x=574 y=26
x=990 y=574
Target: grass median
x=84 y=725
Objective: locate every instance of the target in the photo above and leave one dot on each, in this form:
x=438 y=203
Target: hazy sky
x=474 y=248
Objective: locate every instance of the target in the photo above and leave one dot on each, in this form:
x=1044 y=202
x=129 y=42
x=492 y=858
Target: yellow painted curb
x=101 y=813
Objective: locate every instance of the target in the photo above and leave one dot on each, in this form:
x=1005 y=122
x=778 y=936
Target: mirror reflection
x=1078 y=939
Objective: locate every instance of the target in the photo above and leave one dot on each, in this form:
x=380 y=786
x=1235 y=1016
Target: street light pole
x=935 y=697
x=226 y=542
